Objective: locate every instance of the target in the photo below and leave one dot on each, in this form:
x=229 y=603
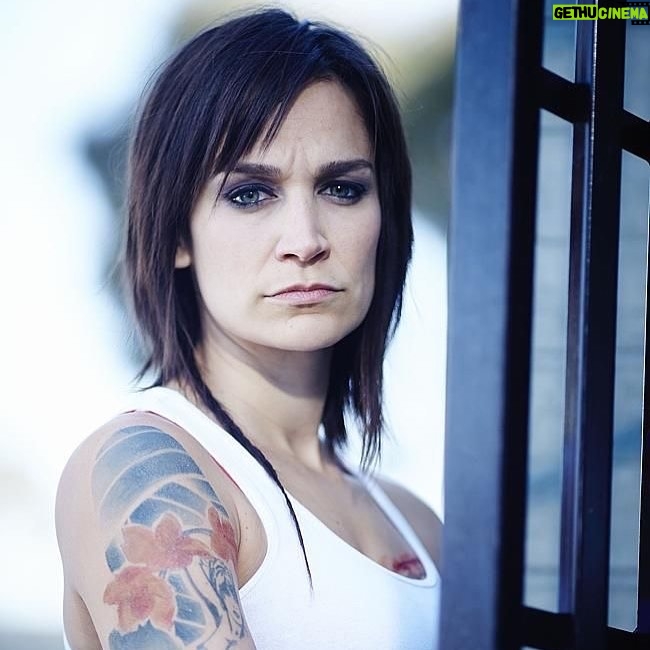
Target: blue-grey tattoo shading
x=173 y=558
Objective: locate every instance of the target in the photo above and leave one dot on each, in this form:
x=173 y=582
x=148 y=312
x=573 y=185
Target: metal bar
x=546 y=630
x=563 y=98
x=624 y=640
x=636 y=136
x=643 y=589
x=491 y=271
x=593 y=267
x=549 y=631
x=571 y=101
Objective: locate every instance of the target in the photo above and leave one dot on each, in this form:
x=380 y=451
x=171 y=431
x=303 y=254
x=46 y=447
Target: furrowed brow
x=342 y=167
x=257 y=169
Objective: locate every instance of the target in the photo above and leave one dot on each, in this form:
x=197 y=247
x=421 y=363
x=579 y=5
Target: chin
x=310 y=337
x=306 y=343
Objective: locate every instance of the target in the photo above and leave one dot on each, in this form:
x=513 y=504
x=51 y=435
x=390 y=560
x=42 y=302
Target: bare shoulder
x=139 y=448
x=149 y=537
x=421 y=517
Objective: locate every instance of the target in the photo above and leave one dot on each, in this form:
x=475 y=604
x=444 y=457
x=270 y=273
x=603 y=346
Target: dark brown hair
x=227 y=89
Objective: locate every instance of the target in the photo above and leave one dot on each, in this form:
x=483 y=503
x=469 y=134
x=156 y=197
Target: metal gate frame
x=501 y=88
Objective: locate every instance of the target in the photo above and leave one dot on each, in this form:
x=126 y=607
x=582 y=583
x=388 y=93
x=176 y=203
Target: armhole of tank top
x=401 y=523
x=176 y=409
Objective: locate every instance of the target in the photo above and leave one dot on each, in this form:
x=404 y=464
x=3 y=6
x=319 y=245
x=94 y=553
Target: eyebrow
x=325 y=172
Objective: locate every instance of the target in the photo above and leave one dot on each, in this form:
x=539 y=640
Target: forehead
x=325 y=117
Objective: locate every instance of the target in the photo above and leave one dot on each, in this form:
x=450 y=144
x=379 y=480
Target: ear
x=183 y=258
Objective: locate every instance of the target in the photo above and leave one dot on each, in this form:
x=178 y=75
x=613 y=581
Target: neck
x=276 y=397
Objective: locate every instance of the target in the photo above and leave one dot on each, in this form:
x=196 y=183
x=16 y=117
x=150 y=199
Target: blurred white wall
x=68 y=68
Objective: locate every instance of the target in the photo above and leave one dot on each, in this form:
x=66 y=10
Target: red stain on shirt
x=408 y=565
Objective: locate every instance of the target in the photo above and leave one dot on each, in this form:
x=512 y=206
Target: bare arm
x=165 y=567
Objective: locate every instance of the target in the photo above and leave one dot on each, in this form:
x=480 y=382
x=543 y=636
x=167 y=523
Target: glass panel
x=628 y=393
x=548 y=364
x=637 y=64
x=559 y=43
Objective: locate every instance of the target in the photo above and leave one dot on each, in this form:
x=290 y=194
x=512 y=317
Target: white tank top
x=356 y=604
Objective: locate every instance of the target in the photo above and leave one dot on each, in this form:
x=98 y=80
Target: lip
x=304 y=294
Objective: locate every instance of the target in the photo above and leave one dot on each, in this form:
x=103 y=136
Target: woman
x=267 y=245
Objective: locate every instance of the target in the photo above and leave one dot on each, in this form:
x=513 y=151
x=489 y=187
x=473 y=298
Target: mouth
x=304 y=294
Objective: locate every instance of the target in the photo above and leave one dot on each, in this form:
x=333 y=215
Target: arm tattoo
x=172 y=581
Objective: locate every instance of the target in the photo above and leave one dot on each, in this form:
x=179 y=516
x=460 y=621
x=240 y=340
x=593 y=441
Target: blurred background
x=72 y=73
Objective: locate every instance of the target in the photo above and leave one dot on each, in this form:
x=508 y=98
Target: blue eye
x=344 y=192
x=248 y=196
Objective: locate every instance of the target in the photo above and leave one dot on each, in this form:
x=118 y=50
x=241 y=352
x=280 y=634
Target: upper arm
x=420 y=516
x=164 y=552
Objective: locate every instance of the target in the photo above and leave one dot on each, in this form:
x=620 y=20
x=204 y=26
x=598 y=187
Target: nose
x=302 y=238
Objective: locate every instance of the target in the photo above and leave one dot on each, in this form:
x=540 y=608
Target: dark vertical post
x=491 y=271
x=591 y=342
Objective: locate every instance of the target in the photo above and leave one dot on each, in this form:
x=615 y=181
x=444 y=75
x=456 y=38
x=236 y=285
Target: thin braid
x=223 y=417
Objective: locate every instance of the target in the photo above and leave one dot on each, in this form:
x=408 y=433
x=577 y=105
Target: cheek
x=219 y=269
x=369 y=242
x=363 y=250
x=223 y=256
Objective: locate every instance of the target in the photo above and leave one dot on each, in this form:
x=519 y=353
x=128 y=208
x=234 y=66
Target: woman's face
x=284 y=253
